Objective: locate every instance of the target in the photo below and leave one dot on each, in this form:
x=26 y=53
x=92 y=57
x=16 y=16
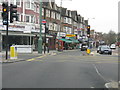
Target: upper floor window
x=64 y=19
x=53 y=15
x=19 y=17
x=37 y=8
x=47 y=13
x=28 y=4
x=11 y=1
x=0 y=15
x=27 y=19
x=32 y=6
x=57 y=16
x=32 y=19
x=18 y=3
x=42 y=11
x=69 y=21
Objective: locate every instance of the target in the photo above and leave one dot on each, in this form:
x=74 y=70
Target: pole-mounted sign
x=44 y=21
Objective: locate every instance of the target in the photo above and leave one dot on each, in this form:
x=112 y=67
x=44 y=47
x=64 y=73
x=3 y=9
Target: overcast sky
x=105 y=12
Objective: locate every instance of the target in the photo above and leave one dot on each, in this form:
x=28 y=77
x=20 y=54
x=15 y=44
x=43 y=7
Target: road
x=68 y=69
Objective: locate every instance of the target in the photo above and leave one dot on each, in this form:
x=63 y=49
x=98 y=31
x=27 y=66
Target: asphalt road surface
x=69 y=69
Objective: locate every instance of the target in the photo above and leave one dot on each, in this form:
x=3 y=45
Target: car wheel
x=101 y=52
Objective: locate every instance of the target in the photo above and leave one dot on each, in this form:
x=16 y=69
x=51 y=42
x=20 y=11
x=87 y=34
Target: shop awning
x=74 y=40
x=66 y=40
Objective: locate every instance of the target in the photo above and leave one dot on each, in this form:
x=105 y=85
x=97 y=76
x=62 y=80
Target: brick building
x=23 y=31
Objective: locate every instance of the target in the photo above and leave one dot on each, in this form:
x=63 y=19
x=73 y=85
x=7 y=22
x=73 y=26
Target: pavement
x=23 y=56
x=27 y=56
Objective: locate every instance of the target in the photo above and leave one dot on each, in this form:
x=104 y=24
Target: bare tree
x=110 y=37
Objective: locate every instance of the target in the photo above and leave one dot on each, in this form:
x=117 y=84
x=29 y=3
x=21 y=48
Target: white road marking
x=100 y=73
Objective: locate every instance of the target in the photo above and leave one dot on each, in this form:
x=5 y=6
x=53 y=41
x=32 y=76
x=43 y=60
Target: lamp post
x=40 y=36
x=58 y=34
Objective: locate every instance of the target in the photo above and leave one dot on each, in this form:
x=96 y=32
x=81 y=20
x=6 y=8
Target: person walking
x=36 y=42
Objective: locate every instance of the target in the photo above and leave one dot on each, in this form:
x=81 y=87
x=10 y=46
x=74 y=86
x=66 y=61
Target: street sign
x=43 y=21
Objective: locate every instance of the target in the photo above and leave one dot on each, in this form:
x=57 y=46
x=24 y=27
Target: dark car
x=84 y=47
x=98 y=49
x=105 y=50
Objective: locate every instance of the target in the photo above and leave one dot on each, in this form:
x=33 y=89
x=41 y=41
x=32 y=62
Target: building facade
x=59 y=20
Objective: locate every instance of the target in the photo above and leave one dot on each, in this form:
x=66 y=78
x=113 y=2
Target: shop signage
x=61 y=34
x=70 y=35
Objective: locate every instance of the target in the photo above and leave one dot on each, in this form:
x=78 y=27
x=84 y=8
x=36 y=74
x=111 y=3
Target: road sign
x=43 y=21
x=70 y=35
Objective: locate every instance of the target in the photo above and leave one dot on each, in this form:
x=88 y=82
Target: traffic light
x=13 y=13
x=5 y=13
x=88 y=29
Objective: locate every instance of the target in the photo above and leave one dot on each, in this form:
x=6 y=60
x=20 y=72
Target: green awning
x=66 y=40
x=74 y=40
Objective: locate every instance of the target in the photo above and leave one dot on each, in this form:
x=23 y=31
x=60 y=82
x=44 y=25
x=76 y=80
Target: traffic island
x=111 y=85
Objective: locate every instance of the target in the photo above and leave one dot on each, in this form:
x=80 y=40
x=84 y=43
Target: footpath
x=22 y=56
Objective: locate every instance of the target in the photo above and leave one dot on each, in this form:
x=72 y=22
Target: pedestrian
x=36 y=42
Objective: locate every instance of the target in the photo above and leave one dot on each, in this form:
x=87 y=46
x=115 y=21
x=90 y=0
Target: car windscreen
x=105 y=48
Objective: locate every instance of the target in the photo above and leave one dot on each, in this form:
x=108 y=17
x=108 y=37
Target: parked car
x=105 y=50
x=84 y=47
x=113 y=46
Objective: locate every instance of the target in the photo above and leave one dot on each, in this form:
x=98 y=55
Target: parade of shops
x=65 y=27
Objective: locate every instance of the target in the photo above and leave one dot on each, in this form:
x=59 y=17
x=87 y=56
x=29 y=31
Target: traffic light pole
x=5 y=16
x=88 y=42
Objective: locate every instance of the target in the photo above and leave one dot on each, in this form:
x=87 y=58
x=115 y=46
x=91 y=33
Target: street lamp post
x=40 y=36
x=60 y=25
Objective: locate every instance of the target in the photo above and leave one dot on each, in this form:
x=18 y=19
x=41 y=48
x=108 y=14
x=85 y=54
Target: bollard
x=13 y=52
x=88 y=51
